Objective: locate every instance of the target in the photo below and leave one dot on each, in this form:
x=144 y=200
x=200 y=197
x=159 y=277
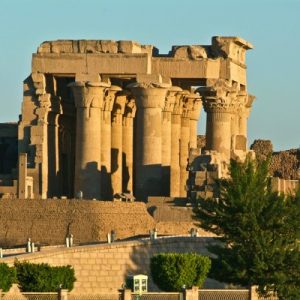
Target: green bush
x=7 y=277
x=43 y=277
x=171 y=271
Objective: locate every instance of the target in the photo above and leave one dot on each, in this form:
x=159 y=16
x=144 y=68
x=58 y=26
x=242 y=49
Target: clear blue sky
x=273 y=26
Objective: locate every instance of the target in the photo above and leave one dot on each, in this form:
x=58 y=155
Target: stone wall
x=284 y=164
x=103 y=268
x=49 y=221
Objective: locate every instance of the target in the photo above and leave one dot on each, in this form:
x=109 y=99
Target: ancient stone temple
x=104 y=117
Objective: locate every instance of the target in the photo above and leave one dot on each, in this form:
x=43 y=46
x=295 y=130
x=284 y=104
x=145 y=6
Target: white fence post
x=62 y=294
x=253 y=293
x=191 y=294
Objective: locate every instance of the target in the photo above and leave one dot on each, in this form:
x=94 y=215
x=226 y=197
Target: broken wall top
x=224 y=58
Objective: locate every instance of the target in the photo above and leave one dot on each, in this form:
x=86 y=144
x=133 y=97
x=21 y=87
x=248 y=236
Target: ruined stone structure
x=104 y=117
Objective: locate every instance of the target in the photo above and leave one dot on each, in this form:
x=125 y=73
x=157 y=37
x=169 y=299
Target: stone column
x=219 y=102
x=175 y=146
x=39 y=137
x=185 y=142
x=129 y=114
x=116 y=143
x=194 y=117
x=53 y=149
x=244 y=115
x=88 y=100
x=166 y=138
x=22 y=175
x=106 y=185
x=150 y=99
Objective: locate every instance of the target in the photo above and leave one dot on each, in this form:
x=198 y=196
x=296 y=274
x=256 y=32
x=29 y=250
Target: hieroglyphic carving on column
x=175 y=146
x=88 y=100
x=239 y=124
x=108 y=103
x=166 y=137
x=245 y=112
x=194 y=117
x=127 y=145
x=150 y=100
x=185 y=140
x=109 y=99
x=116 y=142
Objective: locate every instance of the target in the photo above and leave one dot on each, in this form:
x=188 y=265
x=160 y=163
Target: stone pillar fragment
x=39 y=137
x=185 y=142
x=22 y=175
x=53 y=148
x=175 y=146
x=150 y=99
x=244 y=115
x=106 y=185
x=88 y=100
x=194 y=117
x=116 y=143
x=127 y=146
x=166 y=138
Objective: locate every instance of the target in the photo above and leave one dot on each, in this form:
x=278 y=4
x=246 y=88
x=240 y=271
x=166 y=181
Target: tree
x=8 y=276
x=172 y=271
x=43 y=277
x=259 y=230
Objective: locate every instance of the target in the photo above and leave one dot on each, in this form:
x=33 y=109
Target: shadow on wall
x=125 y=176
x=149 y=182
x=106 y=185
x=90 y=181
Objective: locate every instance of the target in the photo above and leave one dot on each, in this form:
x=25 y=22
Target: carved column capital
x=109 y=97
x=219 y=96
x=178 y=105
x=171 y=98
x=149 y=95
x=119 y=108
x=188 y=102
x=130 y=108
x=196 y=106
x=88 y=94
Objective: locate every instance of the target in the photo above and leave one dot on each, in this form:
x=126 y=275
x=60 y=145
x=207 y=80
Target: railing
x=55 y=296
x=29 y=296
x=41 y=296
x=224 y=294
x=157 y=296
x=112 y=296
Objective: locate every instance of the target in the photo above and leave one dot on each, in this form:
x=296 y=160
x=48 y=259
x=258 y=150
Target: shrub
x=43 y=277
x=7 y=277
x=171 y=271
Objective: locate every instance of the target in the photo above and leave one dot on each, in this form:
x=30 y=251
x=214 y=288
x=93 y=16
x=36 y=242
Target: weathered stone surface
x=262 y=149
x=201 y=141
x=79 y=139
x=49 y=221
x=284 y=164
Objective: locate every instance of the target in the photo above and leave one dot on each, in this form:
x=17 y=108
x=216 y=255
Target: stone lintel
x=101 y=63
x=93 y=46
